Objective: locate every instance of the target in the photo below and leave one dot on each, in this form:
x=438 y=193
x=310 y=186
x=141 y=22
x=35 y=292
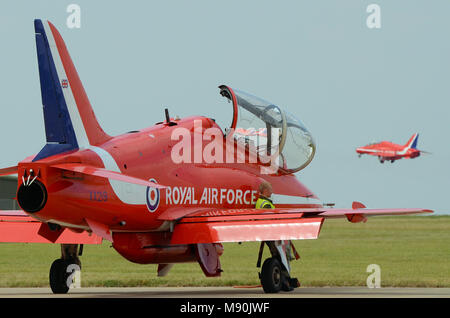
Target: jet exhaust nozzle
x=32 y=197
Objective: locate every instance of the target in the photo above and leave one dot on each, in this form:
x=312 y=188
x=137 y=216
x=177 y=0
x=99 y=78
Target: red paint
x=95 y=133
x=84 y=196
x=388 y=151
x=25 y=229
x=152 y=248
x=250 y=230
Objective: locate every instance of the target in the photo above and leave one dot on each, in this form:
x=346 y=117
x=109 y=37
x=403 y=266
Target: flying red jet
x=166 y=194
x=388 y=151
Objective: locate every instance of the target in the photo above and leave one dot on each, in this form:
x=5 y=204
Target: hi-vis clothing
x=264 y=203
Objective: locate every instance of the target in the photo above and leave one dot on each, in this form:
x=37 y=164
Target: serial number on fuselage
x=98 y=196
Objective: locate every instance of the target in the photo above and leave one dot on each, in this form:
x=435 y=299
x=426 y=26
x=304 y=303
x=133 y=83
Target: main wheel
x=59 y=275
x=289 y=284
x=271 y=275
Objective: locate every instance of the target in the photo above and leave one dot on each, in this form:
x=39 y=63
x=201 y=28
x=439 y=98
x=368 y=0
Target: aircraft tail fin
x=412 y=142
x=70 y=122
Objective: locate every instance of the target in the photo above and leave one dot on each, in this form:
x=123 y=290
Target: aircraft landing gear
x=271 y=275
x=275 y=272
x=62 y=269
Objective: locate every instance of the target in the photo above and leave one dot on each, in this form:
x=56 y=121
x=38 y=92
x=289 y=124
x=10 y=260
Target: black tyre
x=288 y=283
x=271 y=275
x=58 y=276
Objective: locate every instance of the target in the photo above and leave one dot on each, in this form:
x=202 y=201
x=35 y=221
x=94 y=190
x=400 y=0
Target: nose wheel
x=274 y=278
x=275 y=272
x=271 y=275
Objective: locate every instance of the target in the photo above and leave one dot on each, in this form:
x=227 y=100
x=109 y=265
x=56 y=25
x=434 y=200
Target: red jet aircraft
x=140 y=191
x=386 y=150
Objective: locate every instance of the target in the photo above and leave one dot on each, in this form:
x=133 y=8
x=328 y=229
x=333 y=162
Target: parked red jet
x=387 y=150
x=139 y=190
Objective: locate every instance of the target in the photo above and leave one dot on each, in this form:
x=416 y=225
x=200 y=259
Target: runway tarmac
x=227 y=292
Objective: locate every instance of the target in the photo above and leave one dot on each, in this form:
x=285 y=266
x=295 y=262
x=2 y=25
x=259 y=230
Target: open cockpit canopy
x=269 y=130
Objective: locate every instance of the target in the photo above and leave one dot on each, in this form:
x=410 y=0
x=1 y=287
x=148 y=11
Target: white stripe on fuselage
x=136 y=194
x=376 y=150
x=74 y=114
x=384 y=153
x=128 y=193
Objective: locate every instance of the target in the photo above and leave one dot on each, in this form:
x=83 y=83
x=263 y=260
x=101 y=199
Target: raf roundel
x=153 y=197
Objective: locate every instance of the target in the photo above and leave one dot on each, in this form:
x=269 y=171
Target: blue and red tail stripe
x=59 y=131
x=70 y=122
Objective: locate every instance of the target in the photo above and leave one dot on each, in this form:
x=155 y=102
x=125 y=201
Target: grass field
x=412 y=251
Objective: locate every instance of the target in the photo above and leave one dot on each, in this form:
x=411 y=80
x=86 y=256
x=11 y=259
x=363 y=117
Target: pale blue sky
x=350 y=85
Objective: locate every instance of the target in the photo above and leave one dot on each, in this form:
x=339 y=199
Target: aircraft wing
x=239 y=225
x=242 y=225
x=8 y=171
x=18 y=227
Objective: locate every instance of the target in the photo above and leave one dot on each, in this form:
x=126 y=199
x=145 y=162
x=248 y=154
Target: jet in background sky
x=387 y=150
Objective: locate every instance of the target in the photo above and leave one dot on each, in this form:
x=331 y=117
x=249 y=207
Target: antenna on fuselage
x=167 y=115
x=168 y=122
